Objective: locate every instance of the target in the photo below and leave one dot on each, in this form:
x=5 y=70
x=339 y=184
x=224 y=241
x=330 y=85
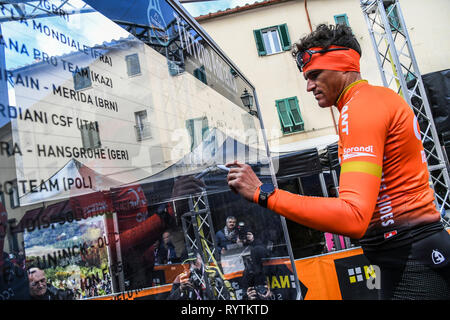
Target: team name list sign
x=44 y=83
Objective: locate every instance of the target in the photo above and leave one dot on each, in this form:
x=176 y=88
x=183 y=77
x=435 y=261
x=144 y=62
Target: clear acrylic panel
x=115 y=125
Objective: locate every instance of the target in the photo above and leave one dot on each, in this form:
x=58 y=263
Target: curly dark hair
x=327 y=35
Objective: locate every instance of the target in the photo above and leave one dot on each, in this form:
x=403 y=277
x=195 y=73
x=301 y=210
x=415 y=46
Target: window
x=272 y=40
x=133 y=66
x=289 y=114
x=341 y=19
x=90 y=135
x=13 y=196
x=200 y=74
x=82 y=79
x=197 y=128
x=142 y=125
x=13 y=192
x=2 y=198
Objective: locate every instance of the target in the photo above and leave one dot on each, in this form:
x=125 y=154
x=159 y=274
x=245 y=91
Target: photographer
x=257 y=249
x=254 y=277
x=255 y=282
x=189 y=284
x=260 y=292
x=228 y=235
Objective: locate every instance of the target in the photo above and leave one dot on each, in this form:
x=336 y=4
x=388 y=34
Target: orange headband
x=341 y=60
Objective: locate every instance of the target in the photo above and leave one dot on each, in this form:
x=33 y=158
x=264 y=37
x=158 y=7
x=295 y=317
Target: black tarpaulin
x=437 y=87
x=297 y=164
x=329 y=159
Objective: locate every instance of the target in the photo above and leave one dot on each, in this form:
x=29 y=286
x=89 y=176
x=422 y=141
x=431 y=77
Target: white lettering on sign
x=212 y=62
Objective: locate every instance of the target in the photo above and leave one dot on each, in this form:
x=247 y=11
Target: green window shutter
x=259 y=42
x=283 y=113
x=200 y=74
x=203 y=75
x=198 y=129
x=393 y=18
x=341 y=19
x=284 y=37
x=295 y=111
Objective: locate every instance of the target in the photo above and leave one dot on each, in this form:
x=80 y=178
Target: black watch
x=265 y=191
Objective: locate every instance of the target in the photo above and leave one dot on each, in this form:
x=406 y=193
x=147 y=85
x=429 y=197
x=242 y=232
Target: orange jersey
x=384 y=189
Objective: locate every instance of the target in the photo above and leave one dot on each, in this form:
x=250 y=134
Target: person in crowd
x=228 y=235
x=261 y=292
x=41 y=290
x=190 y=284
x=166 y=253
x=257 y=250
x=199 y=282
x=254 y=277
x=385 y=199
x=13 y=278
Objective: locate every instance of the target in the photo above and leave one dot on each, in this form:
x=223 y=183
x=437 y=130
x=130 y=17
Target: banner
x=343 y=275
x=355 y=275
x=130 y=204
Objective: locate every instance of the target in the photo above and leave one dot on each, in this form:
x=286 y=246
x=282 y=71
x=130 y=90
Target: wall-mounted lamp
x=247 y=101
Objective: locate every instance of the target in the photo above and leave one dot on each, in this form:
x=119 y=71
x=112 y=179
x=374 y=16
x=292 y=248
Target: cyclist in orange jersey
x=384 y=195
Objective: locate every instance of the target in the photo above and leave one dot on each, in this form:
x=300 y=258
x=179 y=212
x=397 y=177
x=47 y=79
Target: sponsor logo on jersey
x=437 y=257
x=344 y=121
x=390 y=234
x=359 y=151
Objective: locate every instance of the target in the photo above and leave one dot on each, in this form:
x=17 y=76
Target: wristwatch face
x=265 y=191
x=267 y=188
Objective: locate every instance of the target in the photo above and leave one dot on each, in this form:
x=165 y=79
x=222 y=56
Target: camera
x=255 y=281
x=242 y=231
x=194 y=287
x=195 y=279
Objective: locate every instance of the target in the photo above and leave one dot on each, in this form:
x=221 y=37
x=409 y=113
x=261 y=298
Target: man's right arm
x=360 y=179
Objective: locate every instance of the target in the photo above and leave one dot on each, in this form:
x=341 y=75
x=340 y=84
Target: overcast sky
x=205 y=7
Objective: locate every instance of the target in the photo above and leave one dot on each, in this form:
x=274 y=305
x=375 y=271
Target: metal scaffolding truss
x=200 y=239
x=198 y=228
x=400 y=72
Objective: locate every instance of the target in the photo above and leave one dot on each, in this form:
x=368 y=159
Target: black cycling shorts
x=417 y=271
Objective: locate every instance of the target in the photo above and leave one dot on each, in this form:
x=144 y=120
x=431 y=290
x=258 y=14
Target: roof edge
x=238 y=9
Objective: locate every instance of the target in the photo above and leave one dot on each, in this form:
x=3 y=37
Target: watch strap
x=265 y=190
x=262 y=200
